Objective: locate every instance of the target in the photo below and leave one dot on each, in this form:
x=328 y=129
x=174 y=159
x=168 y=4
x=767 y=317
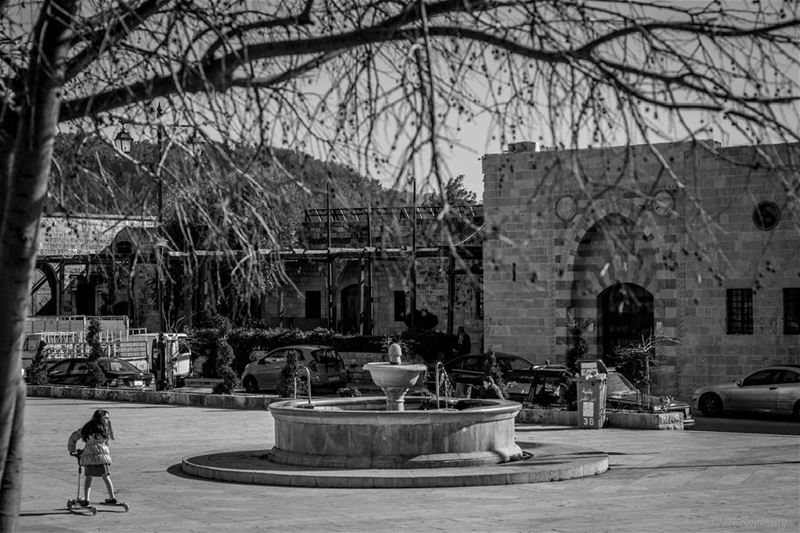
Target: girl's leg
x=87 y=486
x=109 y=486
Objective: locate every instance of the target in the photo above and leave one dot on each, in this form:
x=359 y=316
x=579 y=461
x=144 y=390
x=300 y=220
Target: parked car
x=468 y=369
x=78 y=371
x=622 y=394
x=541 y=385
x=773 y=389
x=264 y=373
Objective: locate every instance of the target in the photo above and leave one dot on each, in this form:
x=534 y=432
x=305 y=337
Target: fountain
x=394 y=379
x=395 y=441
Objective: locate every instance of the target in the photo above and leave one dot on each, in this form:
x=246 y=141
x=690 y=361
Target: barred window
x=399 y=306
x=791 y=311
x=739 y=311
x=313 y=304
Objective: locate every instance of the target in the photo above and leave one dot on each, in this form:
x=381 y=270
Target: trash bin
x=591 y=396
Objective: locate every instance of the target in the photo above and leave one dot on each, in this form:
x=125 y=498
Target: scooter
x=74 y=505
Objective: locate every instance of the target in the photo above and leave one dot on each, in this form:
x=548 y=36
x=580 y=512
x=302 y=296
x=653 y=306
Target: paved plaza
x=657 y=481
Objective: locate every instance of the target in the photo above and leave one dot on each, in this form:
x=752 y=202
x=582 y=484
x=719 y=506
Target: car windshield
x=619 y=383
x=117 y=365
x=517 y=364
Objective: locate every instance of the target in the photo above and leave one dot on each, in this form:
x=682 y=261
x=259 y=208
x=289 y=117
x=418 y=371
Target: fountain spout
x=308 y=381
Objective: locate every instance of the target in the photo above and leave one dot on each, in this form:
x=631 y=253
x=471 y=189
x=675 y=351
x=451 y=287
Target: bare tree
x=386 y=86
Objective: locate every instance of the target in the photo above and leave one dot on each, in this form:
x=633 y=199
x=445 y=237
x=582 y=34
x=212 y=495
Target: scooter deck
x=93 y=507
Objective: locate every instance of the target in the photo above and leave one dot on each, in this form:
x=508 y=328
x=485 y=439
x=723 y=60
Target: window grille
x=739 y=311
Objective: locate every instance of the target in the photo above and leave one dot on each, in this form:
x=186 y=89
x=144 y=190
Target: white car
x=773 y=389
x=323 y=362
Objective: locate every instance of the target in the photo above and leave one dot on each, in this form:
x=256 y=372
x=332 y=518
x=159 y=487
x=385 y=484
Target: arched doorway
x=625 y=314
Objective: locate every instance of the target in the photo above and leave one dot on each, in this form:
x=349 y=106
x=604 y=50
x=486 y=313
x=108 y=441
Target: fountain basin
x=358 y=433
x=395 y=376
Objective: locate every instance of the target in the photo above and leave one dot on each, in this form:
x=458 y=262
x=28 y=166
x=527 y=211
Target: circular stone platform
x=549 y=462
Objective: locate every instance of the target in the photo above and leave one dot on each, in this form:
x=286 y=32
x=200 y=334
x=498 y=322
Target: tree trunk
x=25 y=196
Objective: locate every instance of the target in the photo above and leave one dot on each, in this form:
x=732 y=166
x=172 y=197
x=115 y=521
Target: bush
x=93 y=331
x=37 y=372
x=577 y=329
x=492 y=369
x=348 y=392
x=291 y=385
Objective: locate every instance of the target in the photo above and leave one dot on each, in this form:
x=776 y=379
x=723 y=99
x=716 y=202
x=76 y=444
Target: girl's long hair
x=98 y=426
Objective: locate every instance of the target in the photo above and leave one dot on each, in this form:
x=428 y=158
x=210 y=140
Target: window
x=313 y=304
x=762 y=377
x=399 y=306
x=790 y=377
x=791 y=311
x=739 y=311
x=766 y=215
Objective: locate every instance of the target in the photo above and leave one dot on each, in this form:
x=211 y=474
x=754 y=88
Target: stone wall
x=675 y=220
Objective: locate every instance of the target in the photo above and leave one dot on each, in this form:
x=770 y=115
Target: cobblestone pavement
x=658 y=481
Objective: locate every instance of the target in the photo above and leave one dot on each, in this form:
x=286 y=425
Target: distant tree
x=223 y=359
x=454 y=193
x=37 y=372
x=93 y=331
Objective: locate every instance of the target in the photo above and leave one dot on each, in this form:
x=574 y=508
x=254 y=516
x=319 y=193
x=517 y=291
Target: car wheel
x=710 y=405
x=250 y=384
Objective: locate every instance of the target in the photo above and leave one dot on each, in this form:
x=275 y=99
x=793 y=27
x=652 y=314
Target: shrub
x=37 y=372
x=97 y=376
x=348 y=392
x=223 y=359
x=577 y=329
x=290 y=384
x=93 y=331
x=492 y=369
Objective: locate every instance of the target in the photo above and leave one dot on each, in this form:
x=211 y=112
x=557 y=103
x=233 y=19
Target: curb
x=550 y=463
x=190 y=399
x=651 y=421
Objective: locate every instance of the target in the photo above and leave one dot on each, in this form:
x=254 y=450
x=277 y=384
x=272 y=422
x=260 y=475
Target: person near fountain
x=489 y=389
x=95 y=457
x=463 y=342
x=395 y=352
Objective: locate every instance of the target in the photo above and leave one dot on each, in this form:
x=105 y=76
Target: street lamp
x=123 y=141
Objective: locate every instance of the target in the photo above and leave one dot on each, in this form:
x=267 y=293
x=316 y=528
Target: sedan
x=78 y=371
x=325 y=366
x=773 y=389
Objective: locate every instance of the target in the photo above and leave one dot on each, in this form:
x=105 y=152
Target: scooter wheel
x=125 y=506
x=94 y=511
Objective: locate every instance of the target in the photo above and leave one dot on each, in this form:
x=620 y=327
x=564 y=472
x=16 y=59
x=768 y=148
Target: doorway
x=625 y=313
x=350 y=303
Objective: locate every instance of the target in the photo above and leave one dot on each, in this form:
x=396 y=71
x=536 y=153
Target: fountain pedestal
x=394 y=381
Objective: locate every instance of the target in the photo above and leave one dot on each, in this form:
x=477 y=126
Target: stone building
x=96 y=265
x=693 y=241
x=380 y=243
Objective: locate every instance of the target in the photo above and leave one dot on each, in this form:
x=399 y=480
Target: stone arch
x=615 y=241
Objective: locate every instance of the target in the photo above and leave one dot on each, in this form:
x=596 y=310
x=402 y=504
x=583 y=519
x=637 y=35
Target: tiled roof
x=69 y=235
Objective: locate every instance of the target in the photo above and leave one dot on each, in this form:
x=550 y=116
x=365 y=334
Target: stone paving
x=658 y=481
